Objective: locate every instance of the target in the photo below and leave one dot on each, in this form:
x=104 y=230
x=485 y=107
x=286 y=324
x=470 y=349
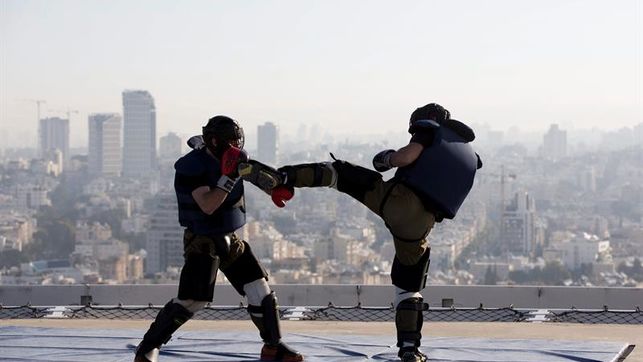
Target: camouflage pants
x=400 y=208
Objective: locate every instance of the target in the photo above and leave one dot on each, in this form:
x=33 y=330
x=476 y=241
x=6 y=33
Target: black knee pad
x=170 y=318
x=244 y=269
x=411 y=277
x=355 y=180
x=198 y=276
x=409 y=321
x=266 y=318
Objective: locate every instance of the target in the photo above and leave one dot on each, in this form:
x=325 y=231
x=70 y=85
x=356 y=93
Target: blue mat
x=62 y=344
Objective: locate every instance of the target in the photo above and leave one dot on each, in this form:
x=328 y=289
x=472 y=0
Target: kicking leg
x=322 y=174
x=261 y=175
x=364 y=185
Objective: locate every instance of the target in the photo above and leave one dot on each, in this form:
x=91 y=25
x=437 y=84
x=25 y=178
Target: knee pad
x=245 y=269
x=266 y=318
x=191 y=305
x=409 y=321
x=355 y=180
x=411 y=277
x=198 y=276
x=401 y=294
x=256 y=291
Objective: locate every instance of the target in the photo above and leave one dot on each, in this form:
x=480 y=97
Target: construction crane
x=38 y=103
x=67 y=112
x=504 y=177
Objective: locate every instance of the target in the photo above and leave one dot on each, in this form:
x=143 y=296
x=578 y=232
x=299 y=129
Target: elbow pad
x=424 y=124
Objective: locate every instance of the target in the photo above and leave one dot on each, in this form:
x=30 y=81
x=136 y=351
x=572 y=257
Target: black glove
x=382 y=161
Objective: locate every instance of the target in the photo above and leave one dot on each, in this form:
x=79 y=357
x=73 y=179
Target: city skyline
x=485 y=132
x=498 y=63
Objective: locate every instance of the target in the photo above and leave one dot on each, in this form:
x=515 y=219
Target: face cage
x=233 y=137
x=238 y=142
x=237 y=139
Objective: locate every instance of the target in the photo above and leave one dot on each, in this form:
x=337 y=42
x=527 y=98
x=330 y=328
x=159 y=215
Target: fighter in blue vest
x=211 y=207
x=435 y=173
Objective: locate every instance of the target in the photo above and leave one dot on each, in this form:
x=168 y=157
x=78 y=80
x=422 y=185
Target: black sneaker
x=412 y=354
x=280 y=352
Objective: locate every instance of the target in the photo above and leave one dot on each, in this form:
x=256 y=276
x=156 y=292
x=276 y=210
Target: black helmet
x=225 y=131
x=431 y=111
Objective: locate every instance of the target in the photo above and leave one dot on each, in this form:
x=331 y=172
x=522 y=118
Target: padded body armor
x=198 y=166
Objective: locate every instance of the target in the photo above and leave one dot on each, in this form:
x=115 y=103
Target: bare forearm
x=209 y=200
x=406 y=155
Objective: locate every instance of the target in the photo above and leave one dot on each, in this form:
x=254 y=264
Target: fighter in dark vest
x=435 y=173
x=211 y=207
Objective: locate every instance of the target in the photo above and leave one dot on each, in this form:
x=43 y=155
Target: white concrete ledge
x=339 y=295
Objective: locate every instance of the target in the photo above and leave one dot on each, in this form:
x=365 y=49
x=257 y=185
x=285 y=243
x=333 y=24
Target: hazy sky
x=351 y=66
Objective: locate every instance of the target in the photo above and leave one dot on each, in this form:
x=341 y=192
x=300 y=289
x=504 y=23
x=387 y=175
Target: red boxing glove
x=231 y=159
x=281 y=194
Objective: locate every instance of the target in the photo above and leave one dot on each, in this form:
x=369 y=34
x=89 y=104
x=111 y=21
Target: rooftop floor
x=442 y=335
x=515 y=324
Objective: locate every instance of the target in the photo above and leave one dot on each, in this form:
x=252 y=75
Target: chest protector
x=197 y=167
x=442 y=176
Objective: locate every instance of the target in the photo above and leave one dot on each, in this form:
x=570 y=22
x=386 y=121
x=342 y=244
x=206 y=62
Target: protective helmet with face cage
x=225 y=131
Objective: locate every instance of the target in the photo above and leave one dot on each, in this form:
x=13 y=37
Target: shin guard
x=309 y=175
x=266 y=318
x=170 y=318
x=409 y=321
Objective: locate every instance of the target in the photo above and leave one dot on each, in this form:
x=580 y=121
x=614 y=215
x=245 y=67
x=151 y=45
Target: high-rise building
x=139 y=133
x=170 y=147
x=518 y=225
x=267 y=143
x=164 y=244
x=54 y=135
x=555 y=143
x=104 y=156
x=31 y=196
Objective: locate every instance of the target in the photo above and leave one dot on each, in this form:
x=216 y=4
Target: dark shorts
x=204 y=255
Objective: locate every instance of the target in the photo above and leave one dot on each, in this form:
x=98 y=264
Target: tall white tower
x=54 y=135
x=268 y=143
x=139 y=133
x=555 y=143
x=170 y=147
x=105 y=151
x=518 y=224
x=164 y=244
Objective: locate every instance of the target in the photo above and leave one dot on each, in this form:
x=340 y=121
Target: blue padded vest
x=443 y=174
x=231 y=215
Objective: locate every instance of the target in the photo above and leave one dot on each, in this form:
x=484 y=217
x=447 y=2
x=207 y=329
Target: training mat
x=66 y=344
